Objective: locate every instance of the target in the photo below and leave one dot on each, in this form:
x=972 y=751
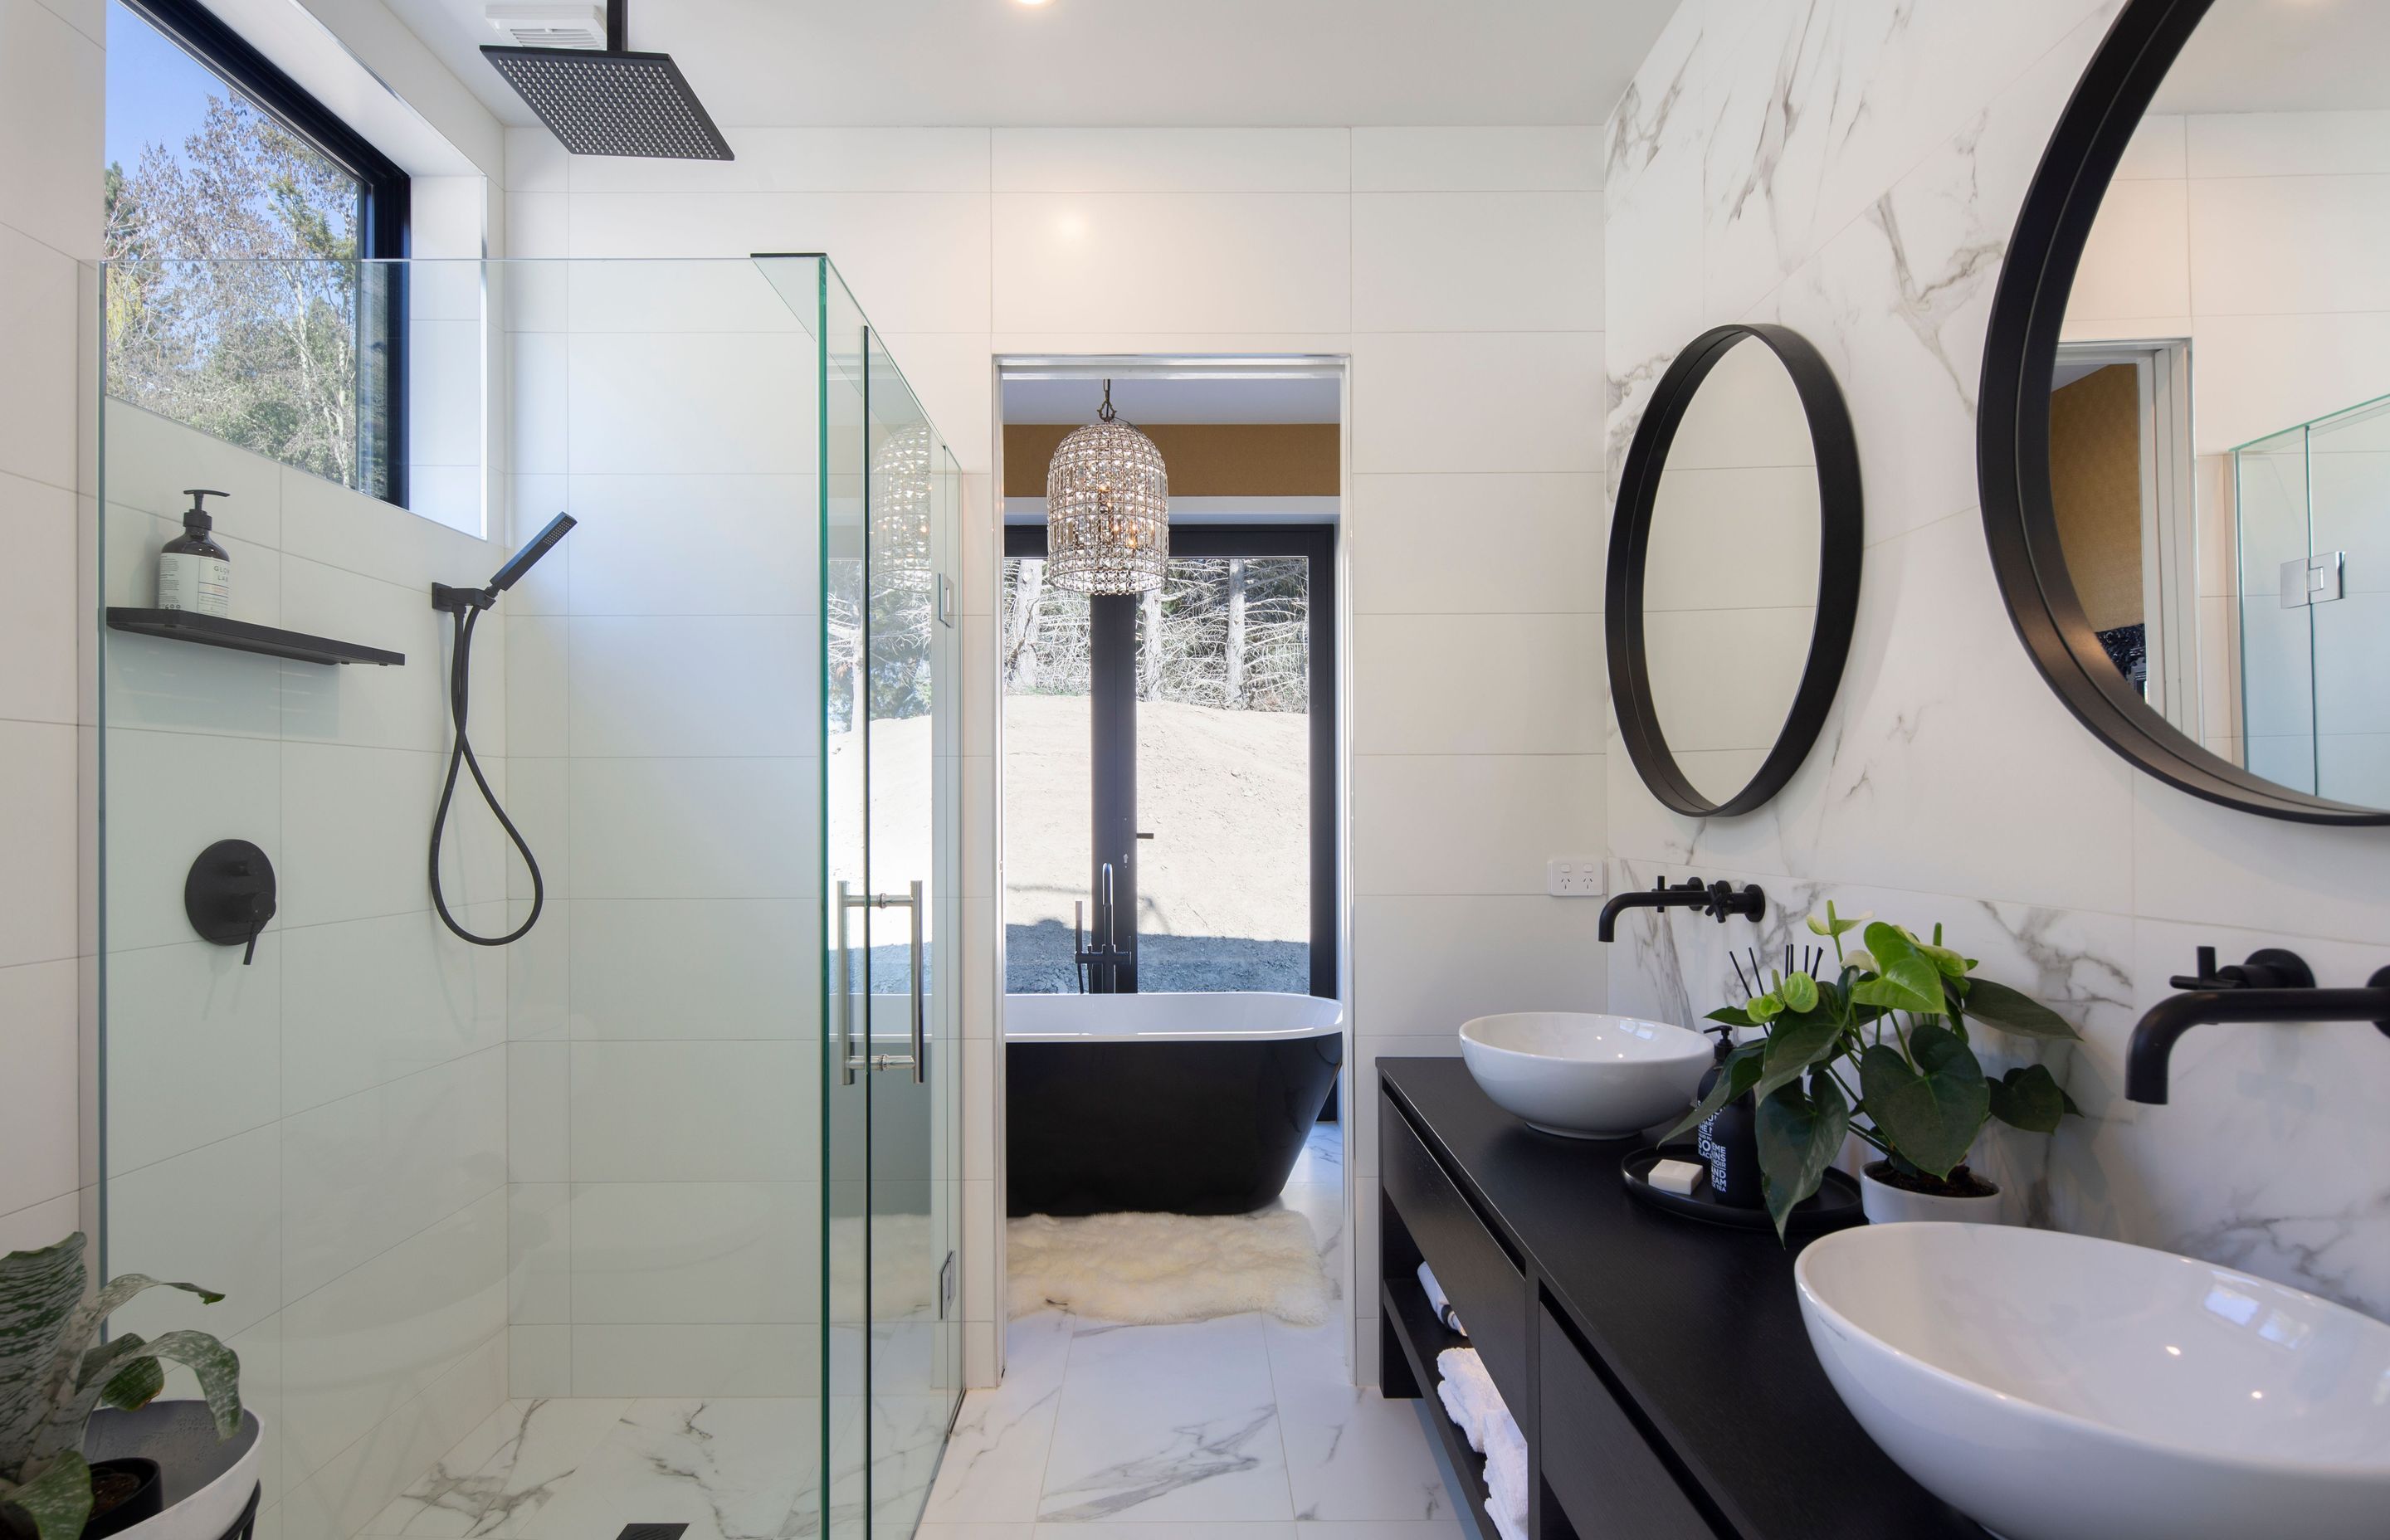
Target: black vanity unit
x=1657 y=1365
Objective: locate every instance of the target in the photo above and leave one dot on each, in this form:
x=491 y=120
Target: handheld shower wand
x=467 y=605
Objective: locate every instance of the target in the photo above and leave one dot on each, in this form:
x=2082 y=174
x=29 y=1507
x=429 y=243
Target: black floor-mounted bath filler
x=467 y=605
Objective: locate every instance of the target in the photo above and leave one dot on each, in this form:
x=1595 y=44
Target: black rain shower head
x=612 y=101
x=525 y=560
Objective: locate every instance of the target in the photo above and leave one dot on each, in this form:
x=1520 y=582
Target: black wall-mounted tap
x=2273 y=985
x=1718 y=900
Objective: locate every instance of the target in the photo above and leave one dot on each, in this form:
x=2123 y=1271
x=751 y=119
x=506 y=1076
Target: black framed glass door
x=1190 y=734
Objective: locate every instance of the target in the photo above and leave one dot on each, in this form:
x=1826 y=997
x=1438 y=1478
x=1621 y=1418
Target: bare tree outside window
x=1222 y=673
x=235 y=301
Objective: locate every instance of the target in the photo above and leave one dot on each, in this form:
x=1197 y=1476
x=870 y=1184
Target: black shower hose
x=459 y=694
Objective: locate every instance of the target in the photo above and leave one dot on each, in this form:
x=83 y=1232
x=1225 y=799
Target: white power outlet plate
x=1574 y=877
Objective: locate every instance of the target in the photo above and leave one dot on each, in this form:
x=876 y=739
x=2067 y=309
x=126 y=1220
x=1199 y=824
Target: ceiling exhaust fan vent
x=550 y=25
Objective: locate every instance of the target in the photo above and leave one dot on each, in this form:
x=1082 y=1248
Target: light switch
x=1574 y=877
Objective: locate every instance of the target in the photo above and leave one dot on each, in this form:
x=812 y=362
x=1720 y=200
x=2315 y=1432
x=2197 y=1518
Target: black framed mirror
x=2182 y=443
x=1734 y=569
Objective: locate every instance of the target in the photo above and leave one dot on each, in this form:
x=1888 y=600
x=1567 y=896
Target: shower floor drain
x=652 y=1531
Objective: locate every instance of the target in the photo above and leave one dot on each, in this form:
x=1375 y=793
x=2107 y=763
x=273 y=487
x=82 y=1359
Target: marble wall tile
x=1950 y=783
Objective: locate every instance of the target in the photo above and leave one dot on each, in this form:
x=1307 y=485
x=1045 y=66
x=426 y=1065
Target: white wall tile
x=539 y=1360
x=356 y=1351
x=694 y=828
x=539 y=1249
x=1423 y=966
x=1492 y=401
x=1196 y=262
x=695 y=1253
x=686 y=967
x=1477 y=683
x=695 y=686
x=1477 y=262
x=37 y=771
x=1472 y=824
x=747 y=542
x=38 y=308
x=2261 y=238
x=1170 y=160
x=690 y=1112
x=696 y=1360
x=355 y=823
x=193 y=1048
x=362 y=1174
x=650 y=401
x=1477 y=159
x=2286 y=144
x=1452 y=543
x=38 y=1045
x=539 y=1112
x=52 y=92
x=536 y=160
x=211 y=1216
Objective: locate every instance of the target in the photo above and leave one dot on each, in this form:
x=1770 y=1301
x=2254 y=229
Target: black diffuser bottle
x=1729 y=1140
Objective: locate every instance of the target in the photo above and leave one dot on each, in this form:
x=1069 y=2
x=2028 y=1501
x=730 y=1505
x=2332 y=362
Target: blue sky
x=157 y=94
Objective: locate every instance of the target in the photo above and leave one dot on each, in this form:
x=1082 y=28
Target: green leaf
x=2028 y=1097
x=2002 y=1006
x=38 y=1294
x=1837 y=925
x=1797 y=1043
x=108 y=1364
x=1799 y=1135
x=1798 y=991
x=1740 y=1074
x=1733 y=1016
x=141 y=1382
x=59 y=1500
x=1949 y=964
x=1932 y=1113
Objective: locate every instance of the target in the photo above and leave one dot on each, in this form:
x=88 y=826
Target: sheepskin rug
x=1146 y=1269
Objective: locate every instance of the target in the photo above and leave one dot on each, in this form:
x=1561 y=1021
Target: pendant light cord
x=459 y=695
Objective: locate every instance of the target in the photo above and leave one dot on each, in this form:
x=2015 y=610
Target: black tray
x=1834 y=1205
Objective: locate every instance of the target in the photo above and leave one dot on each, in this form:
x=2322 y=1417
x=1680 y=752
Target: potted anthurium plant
x=55 y=1374
x=1882 y=1049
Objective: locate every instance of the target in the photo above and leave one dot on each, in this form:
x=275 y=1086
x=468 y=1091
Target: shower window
x=1222 y=679
x=212 y=152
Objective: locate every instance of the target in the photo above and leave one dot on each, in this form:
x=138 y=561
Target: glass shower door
x=893 y=1343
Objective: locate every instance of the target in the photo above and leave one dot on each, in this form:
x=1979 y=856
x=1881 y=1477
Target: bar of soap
x=1677 y=1176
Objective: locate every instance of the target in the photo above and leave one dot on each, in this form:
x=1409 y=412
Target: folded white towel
x=1506 y=1473
x=1436 y=1301
x=1467 y=1391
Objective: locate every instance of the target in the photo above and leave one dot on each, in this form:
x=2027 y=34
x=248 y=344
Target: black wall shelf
x=185 y=625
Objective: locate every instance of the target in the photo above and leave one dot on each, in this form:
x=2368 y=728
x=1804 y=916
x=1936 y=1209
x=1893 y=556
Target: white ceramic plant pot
x=208 y=1480
x=1886 y=1204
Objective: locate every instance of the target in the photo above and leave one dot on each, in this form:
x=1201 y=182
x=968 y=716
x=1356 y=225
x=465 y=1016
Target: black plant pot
x=147 y=1499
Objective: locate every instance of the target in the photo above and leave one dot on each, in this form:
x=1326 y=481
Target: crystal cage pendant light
x=1106 y=508
x=900 y=509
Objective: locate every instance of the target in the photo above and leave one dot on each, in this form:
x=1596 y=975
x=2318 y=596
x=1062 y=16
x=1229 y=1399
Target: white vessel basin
x=2055 y=1386
x=1583 y=1076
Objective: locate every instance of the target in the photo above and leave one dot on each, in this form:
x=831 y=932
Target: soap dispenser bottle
x=194 y=572
x=1728 y=1139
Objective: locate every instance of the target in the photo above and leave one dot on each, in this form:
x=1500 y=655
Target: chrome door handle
x=848 y=1060
x=920 y=1004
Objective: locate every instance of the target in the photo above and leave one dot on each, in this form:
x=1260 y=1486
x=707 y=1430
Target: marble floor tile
x=995 y=1466
x=1352 y=1455
x=730 y=1469
x=1161 y=1423
x=503 y=1471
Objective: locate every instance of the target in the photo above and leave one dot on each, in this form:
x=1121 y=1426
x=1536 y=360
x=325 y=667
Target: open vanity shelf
x=185 y=625
x=1658 y=1367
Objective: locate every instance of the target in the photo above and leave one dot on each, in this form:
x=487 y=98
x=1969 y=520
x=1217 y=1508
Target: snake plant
x=53 y=1374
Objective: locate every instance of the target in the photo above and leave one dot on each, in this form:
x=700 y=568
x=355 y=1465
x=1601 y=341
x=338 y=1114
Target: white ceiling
x=1157 y=401
x=2283 y=56
x=1165 y=62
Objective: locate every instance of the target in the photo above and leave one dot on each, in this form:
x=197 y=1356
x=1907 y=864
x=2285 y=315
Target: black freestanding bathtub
x=1176 y=1103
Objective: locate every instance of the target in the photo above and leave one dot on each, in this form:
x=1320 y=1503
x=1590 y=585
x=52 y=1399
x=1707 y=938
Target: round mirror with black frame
x=2184 y=439
x=1734 y=569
